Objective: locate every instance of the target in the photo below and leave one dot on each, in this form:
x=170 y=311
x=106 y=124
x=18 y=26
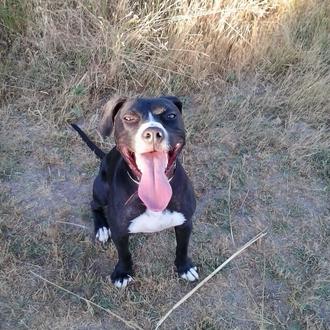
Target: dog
x=141 y=186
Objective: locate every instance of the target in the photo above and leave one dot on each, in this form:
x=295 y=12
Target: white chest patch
x=150 y=222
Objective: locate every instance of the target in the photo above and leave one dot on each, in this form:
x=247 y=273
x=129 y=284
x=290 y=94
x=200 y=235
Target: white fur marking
x=140 y=146
x=150 y=222
x=103 y=234
x=190 y=275
x=123 y=284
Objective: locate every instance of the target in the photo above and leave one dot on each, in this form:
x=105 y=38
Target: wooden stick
x=71 y=224
x=229 y=210
x=87 y=301
x=190 y=293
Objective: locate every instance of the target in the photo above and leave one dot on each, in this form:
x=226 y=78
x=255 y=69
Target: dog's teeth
x=103 y=234
x=191 y=275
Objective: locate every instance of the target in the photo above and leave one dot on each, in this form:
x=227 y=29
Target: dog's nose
x=153 y=135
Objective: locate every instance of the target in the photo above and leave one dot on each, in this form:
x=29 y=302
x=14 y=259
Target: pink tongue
x=154 y=188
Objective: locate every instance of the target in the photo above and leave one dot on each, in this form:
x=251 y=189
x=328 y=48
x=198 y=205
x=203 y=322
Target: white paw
x=123 y=283
x=103 y=234
x=190 y=275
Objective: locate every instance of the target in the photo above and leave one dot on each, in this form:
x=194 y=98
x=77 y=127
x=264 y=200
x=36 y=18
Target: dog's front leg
x=102 y=231
x=122 y=273
x=183 y=263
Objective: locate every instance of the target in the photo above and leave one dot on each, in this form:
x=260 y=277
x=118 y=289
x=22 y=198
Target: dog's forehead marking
x=151 y=122
x=151 y=118
x=140 y=145
x=157 y=110
x=145 y=106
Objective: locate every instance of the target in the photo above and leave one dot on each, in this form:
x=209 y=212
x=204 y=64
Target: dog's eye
x=129 y=118
x=171 y=116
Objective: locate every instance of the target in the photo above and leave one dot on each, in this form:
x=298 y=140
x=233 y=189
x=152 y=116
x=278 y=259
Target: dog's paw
x=122 y=282
x=103 y=234
x=190 y=275
x=121 y=275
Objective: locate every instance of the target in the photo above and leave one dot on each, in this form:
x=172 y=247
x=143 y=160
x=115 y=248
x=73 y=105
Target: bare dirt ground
x=282 y=282
x=255 y=82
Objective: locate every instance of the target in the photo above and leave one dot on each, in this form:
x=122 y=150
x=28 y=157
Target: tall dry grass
x=59 y=57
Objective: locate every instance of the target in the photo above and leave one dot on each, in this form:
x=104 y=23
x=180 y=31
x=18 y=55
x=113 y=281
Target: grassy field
x=255 y=81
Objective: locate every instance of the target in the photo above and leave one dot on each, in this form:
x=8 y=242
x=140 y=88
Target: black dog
x=141 y=181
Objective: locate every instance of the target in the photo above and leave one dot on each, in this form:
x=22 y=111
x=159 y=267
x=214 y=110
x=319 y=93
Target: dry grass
x=254 y=77
x=63 y=56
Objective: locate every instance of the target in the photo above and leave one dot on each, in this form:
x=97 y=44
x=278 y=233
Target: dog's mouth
x=153 y=171
x=171 y=156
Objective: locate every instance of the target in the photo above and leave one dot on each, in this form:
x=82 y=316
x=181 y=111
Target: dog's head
x=149 y=133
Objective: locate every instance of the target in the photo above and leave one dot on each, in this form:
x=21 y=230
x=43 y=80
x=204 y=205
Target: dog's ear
x=174 y=100
x=109 y=112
